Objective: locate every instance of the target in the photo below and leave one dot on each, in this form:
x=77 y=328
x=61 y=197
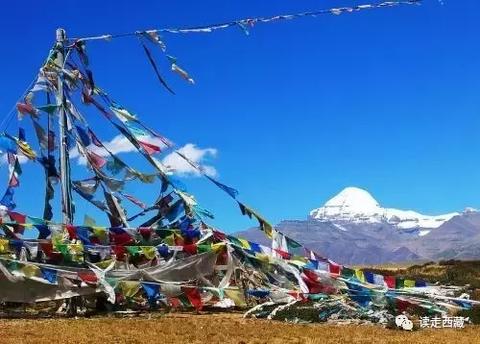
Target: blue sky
x=385 y=99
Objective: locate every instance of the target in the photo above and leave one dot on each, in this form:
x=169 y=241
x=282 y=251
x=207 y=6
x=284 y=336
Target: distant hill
x=352 y=228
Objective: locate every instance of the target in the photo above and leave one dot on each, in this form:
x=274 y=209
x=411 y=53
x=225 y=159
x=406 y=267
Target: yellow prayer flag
x=104 y=263
x=100 y=232
x=31 y=270
x=359 y=275
x=149 y=252
x=409 y=284
x=3 y=246
x=170 y=240
x=129 y=288
x=244 y=243
x=218 y=247
x=237 y=296
x=263 y=257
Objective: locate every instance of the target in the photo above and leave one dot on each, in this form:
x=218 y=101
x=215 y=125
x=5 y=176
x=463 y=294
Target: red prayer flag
x=174 y=302
x=390 y=281
x=88 y=277
x=24 y=108
x=119 y=252
x=283 y=254
x=149 y=148
x=18 y=218
x=194 y=297
x=14 y=182
x=120 y=238
x=72 y=233
x=219 y=236
x=145 y=232
x=333 y=268
x=96 y=160
x=190 y=249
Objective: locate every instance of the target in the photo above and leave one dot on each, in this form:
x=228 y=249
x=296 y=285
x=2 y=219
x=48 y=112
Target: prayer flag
x=390 y=281
x=49 y=274
x=151 y=290
x=193 y=296
x=149 y=148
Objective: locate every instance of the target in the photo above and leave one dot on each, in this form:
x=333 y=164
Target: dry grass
x=454 y=272
x=217 y=328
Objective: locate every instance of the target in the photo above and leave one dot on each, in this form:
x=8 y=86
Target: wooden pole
x=61 y=38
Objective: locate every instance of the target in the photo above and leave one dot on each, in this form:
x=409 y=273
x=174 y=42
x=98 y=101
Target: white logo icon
x=403 y=322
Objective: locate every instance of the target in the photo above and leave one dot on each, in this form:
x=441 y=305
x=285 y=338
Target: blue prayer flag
x=49 y=274
x=151 y=290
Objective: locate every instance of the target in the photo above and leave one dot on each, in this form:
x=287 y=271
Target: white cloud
x=173 y=162
x=119 y=144
x=197 y=155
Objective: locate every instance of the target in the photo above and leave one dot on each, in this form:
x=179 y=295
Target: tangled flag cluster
x=160 y=253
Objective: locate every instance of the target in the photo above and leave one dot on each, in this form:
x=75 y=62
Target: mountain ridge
x=352 y=228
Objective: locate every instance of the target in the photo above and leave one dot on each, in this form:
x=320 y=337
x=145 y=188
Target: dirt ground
x=217 y=328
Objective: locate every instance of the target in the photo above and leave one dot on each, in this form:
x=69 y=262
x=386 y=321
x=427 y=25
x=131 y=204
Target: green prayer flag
x=134 y=250
x=204 y=248
x=347 y=272
x=49 y=108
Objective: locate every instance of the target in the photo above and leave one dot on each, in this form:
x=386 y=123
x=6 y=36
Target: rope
x=245 y=23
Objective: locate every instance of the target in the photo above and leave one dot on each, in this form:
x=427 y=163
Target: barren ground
x=213 y=328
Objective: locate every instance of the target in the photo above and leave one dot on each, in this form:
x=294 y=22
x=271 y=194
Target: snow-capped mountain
x=353 y=228
x=356 y=205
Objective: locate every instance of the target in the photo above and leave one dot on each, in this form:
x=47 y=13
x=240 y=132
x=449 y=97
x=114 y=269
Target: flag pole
x=67 y=213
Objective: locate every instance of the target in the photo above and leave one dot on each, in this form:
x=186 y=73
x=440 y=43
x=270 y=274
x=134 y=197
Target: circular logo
x=403 y=322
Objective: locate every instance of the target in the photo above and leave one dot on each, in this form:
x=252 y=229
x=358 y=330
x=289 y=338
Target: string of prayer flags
x=264 y=225
x=244 y=24
x=229 y=190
